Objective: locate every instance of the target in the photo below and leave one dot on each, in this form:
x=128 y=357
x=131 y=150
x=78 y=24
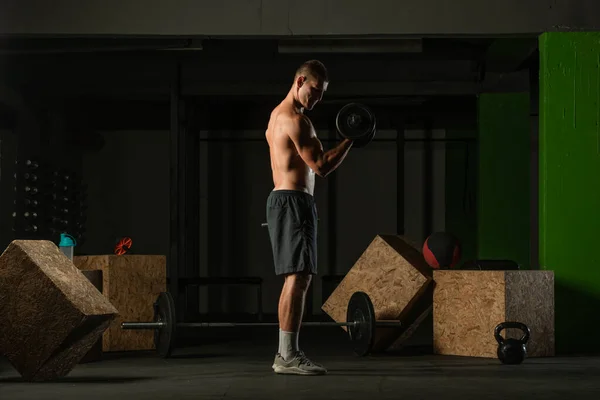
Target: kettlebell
x=512 y=351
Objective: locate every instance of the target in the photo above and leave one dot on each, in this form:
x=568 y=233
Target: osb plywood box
x=467 y=306
x=50 y=314
x=95 y=353
x=397 y=279
x=132 y=284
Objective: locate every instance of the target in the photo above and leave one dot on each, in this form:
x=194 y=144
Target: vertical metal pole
x=332 y=215
x=216 y=209
x=331 y=223
x=428 y=180
x=177 y=186
x=400 y=177
x=192 y=208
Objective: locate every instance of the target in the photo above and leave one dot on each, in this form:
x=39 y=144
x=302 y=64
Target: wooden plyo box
x=50 y=313
x=467 y=306
x=95 y=353
x=132 y=284
x=397 y=279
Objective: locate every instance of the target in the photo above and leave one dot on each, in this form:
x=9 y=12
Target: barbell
x=360 y=321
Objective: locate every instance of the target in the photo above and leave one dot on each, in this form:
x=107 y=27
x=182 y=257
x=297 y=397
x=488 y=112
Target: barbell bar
x=360 y=321
x=335 y=140
x=158 y=325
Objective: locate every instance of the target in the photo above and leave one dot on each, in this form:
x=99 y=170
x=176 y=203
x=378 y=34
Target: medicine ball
x=441 y=250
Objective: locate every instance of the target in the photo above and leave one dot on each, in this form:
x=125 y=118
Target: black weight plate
x=164 y=311
x=355 y=121
x=365 y=140
x=360 y=309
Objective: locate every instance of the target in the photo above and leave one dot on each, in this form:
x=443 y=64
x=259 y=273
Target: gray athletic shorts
x=292 y=223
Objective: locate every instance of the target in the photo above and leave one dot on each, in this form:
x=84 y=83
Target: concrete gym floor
x=239 y=367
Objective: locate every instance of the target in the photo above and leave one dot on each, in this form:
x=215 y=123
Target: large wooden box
x=397 y=279
x=95 y=353
x=467 y=306
x=132 y=283
x=50 y=313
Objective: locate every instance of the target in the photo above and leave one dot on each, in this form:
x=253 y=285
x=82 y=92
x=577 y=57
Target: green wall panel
x=569 y=190
x=503 y=204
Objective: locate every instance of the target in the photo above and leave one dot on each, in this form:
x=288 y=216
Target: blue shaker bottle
x=67 y=245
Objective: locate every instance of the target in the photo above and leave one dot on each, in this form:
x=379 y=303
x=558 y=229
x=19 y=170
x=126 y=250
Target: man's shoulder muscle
x=298 y=126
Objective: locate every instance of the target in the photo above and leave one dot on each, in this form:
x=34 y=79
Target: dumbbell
x=356 y=122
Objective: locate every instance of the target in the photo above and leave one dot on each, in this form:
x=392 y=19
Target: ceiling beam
x=267 y=18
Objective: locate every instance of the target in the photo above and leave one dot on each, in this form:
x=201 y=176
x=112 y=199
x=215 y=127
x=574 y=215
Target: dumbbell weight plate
x=356 y=122
x=365 y=140
x=164 y=337
x=360 y=309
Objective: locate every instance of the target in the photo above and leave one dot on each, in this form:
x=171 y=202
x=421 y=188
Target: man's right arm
x=311 y=150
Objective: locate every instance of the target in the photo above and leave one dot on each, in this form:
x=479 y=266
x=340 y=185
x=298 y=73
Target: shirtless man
x=296 y=157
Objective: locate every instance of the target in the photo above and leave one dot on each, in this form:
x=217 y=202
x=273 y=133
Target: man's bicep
x=308 y=145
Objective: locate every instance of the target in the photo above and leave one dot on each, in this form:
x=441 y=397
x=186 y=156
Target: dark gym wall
x=503 y=206
x=128 y=190
x=416 y=214
x=236 y=179
x=569 y=186
x=129 y=177
x=129 y=196
x=24 y=140
x=461 y=190
x=8 y=156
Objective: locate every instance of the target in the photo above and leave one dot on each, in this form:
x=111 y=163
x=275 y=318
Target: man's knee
x=299 y=281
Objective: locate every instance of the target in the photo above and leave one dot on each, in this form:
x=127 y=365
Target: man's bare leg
x=290 y=311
